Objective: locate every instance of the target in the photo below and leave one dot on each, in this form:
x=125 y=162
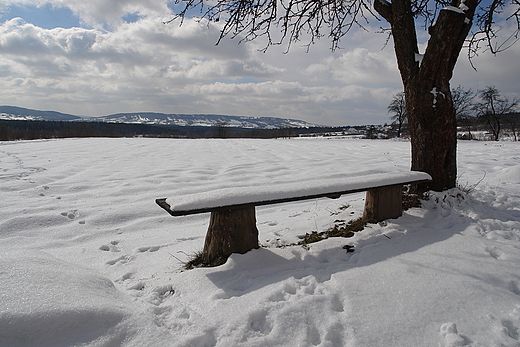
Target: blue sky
x=98 y=57
x=46 y=16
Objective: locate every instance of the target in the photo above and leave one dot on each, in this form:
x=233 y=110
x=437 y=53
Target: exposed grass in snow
x=340 y=229
x=345 y=229
x=196 y=260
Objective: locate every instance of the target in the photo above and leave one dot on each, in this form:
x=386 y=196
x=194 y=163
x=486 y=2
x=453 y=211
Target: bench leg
x=230 y=231
x=383 y=203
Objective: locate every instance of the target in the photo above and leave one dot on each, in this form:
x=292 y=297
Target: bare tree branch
x=310 y=20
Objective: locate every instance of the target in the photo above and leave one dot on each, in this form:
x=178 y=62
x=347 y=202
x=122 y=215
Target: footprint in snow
x=451 y=336
x=494 y=252
x=301 y=301
x=510 y=329
x=507 y=329
x=259 y=323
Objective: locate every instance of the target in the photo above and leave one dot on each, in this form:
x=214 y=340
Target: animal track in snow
x=17 y=168
x=161 y=293
x=71 y=214
x=513 y=287
x=182 y=239
x=125 y=277
x=269 y=223
x=121 y=260
x=111 y=247
x=137 y=286
x=148 y=249
x=494 y=229
x=297 y=214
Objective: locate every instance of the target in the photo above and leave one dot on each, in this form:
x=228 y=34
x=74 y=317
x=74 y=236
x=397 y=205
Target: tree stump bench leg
x=383 y=203
x=230 y=231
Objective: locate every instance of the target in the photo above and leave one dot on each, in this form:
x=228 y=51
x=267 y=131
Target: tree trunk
x=497 y=127
x=433 y=131
x=429 y=106
x=230 y=231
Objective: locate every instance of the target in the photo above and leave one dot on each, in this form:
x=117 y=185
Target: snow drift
x=89 y=259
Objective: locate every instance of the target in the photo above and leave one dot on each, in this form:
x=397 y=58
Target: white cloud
x=146 y=46
x=318 y=104
x=358 y=65
x=500 y=70
x=150 y=66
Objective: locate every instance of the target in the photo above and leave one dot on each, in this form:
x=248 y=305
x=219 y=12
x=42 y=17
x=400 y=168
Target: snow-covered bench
x=232 y=226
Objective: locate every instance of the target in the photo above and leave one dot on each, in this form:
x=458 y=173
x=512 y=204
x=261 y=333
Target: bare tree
x=429 y=104
x=464 y=108
x=284 y=131
x=506 y=107
x=493 y=108
x=398 y=108
x=512 y=119
x=426 y=77
x=221 y=129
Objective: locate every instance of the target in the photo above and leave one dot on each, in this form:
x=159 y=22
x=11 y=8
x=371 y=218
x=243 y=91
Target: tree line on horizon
x=11 y=130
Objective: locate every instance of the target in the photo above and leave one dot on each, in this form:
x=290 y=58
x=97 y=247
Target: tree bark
x=429 y=106
x=230 y=231
x=433 y=133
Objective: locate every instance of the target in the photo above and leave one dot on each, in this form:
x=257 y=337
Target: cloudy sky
x=98 y=57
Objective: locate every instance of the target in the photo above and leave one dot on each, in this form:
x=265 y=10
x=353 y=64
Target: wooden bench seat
x=232 y=226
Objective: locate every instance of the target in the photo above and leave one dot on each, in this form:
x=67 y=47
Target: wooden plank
x=180 y=212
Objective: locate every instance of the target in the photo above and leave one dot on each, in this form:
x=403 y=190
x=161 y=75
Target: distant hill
x=151 y=118
x=20 y=113
x=207 y=120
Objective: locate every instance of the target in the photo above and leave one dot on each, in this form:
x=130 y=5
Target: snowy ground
x=88 y=259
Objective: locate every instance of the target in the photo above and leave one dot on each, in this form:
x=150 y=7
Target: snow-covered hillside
x=153 y=118
x=20 y=113
x=88 y=259
x=205 y=120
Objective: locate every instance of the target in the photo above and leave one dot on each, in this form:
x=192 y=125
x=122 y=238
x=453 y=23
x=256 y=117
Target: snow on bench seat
x=231 y=198
x=232 y=227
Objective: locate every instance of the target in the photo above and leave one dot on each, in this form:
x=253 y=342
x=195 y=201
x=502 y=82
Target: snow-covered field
x=88 y=259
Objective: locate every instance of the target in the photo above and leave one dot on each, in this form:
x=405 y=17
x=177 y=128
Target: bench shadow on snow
x=245 y=273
